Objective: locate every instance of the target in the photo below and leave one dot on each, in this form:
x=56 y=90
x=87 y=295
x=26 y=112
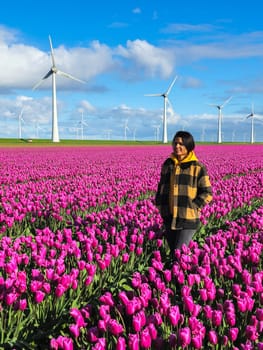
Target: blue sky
x=124 y=50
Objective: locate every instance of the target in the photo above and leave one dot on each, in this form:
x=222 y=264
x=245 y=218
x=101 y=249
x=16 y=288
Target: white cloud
x=154 y=61
x=136 y=10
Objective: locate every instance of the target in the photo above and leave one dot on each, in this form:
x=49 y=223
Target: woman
x=184 y=188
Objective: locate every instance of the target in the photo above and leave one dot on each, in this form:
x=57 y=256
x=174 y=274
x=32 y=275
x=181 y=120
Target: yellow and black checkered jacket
x=184 y=188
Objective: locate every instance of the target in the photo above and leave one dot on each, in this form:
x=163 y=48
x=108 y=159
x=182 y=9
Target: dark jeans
x=176 y=238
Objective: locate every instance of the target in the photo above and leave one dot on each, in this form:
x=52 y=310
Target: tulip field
x=83 y=262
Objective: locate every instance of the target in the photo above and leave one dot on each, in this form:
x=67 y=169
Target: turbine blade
x=52 y=52
x=154 y=95
x=228 y=100
x=213 y=105
x=70 y=76
x=171 y=85
x=21 y=112
x=171 y=106
x=252 y=108
x=41 y=81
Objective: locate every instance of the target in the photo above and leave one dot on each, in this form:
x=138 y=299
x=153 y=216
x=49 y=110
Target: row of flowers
x=76 y=278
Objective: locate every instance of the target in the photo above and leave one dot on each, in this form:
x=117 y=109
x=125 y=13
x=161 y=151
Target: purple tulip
x=208 y=311
x=203 y=294
x=100 y=344
x=74 y=330
x=188 y=303
x=93 y=334
x=10 y=298
x=216 y=318
x=115 y=327
x=174 y=315
x=39 y=296
x=102 y=324
x=230 y=318
x=145 y=338
x=107 y=299
x=133 y=341
x=259 y=314
x=138 y=321
x=153 y=331
x=197 y=341
x=184 y=336
x=121 y=343
x=212 y=337
x=22 y=305
x=172 y=340
x=152 y=274
x=136 y=280
x=104 y=312
x=251 y=333
x=125 y=257
x=233 y=333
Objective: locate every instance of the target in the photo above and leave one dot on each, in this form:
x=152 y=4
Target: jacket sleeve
x=204 y=191
x=163 y=189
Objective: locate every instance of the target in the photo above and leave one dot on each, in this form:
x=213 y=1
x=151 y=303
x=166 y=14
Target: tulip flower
x=172 y=340
x=153 y=331
x=197 y=341
x=133 y=341
x=208 y=311
x=233 y=333
x=39 y=296
x=115 y=327
x=230 y=318
x=216 y=318
x=121 y=343
x=74 y=330
x=125 y=258
x=107 y=299
x=100 y=344
x=259 y=314
x=92 y=334
x=188 y=303
x=184 y=336
x=145 y=338
x=212 y=337
x=174 y=315
x=251 y=333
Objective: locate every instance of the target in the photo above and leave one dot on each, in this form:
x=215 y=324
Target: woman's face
x=179 y=149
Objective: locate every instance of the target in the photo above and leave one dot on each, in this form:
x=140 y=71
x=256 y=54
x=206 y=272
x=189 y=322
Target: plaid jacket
x=184 y=188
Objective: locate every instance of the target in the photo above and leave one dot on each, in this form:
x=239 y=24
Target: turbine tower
x=251 y=115
x=52 y=72
x=20 y=120
x=166 y=100
x=220 y=107
x=126 y=128
x=82 y=123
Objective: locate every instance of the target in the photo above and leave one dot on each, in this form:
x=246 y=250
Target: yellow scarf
x=173 y=189
x=190 y=157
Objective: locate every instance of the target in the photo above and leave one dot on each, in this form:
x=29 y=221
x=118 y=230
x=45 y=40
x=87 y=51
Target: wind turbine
x=126 y=129
x=20 y=120
x=37 y=128
x=157 y=129
x=251 y=115
x=52 y=72
x=166 y=100
x=219 y=107
x=82 y=123
x=134 y=133
x=108 y=133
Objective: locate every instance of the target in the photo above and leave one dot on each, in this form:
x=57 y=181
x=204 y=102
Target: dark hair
x=187 y=138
